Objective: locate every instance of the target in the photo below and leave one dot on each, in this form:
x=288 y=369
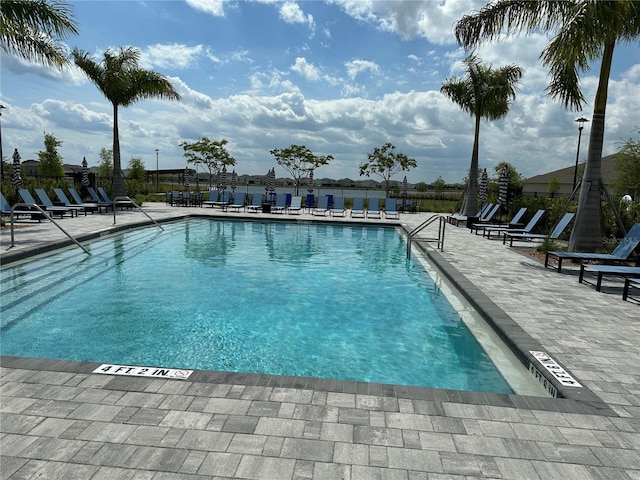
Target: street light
x=581 y=122
x=1 y=157
x=157 y=172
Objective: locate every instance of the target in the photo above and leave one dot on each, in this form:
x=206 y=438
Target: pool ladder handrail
x=124 y=198
x=441 y=229
x=48 y=217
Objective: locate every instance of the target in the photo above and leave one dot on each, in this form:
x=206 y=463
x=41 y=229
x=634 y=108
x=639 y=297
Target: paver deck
x=59 y=421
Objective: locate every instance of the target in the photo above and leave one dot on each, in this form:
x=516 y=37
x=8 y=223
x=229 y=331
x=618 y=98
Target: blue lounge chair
x=322 y=208
x=5 y=209
x=337 y=209
x=511 y=224
x=46 y=201
x=357 y=209
x=256 y=203
x=602 y=270
x=621 y=253
x=28 y=198
x=373 y=210
x=630 y=283
x=527 y=228
x=281 y=204
x=239 y=200
x=456 y=219
x=78 y=201
x=555 y=233
x=94 y=196
x=81 y=208
x=295 y=206
x=310 y=201
x=391 y=208
x=118 y=203
x=211 y=199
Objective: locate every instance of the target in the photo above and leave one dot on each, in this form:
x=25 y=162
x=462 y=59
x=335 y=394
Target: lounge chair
x=78 y=201
x=53 y=210
x=511 y=224
x=256 y=203
x=555 y=233
x=373 y=210
x=490 y=213
x=5 y=209
x=48 y=203
x=238 y=203
x=211 y=199
x=322 y=208
x=391 y=208
x=456 y=219
x=310 y=201
x=602 y=270
x=94 y=196
x=120 y=203
x=80 y=208
x=281 y=204
x=337 y=209
x=295 y=206
x=527 y=228
x=621 y=253
x=357 y=209
x=630 y=283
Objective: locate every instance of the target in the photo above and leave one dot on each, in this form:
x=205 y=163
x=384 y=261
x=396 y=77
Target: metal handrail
x=48 y=217
x=441 y=230
x=127 y=199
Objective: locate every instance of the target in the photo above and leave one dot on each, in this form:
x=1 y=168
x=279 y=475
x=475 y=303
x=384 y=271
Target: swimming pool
x=301 y=299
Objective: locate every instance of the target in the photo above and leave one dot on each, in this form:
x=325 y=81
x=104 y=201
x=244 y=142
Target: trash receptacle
x=471 y=221
x=266 y=208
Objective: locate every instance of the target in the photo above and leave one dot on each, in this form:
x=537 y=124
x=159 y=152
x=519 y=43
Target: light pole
x=581 y=122
x=1 y=157
x=157 y=173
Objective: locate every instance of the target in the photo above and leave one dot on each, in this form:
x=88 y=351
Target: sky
x=340 y=77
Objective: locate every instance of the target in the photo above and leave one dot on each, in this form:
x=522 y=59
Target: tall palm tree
x=123 y=83
x=584 y=31
x=31 y=29
x=484 y=93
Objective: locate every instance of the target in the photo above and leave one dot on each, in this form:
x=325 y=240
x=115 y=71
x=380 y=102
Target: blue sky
x=340 y=77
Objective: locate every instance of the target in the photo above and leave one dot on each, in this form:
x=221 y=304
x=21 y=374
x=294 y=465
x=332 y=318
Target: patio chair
x=81 y=208
x=295 y=206
x=223 y=201
x=256 y=203
x=527 y=228
x=239 y=200
x=602 y=270
x=5 y=209
x=555 y=233
x=322 y=208
x=78 y=201
x=456 y=219
x=511 y=224
x=310 y=201
x=211 y=199
x=281 y=204
x=373 y=210
x=357 y=209
x=48 y=203
x=337 y=209
x=121 y=203
x=94 y=196
x=630 y=283
x=28 y=198
x=391 y=208
x=620 y=254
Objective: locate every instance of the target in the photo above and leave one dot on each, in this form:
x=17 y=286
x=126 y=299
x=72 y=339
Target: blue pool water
x=302 y=299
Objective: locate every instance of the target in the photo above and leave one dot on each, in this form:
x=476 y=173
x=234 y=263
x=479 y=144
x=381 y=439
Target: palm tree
x=123 y=83
x=483 y=93
x=584 y=31
x=31 y=30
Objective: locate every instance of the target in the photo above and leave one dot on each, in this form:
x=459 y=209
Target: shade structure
x=484 y=181
x=310 y=182
x=504 y=186
x=234 y=181
x=85 y=173
x=16 y=178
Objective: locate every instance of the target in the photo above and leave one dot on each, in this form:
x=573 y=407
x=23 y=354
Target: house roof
x=565 y=175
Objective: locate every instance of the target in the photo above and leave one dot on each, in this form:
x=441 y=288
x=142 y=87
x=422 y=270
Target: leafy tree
x=50 y=160
x=627 y=181
x=105 y=167
x=136 y=169
x=121 y=80
x=438 y=186
x=554 y=187
x=515 y=179
x=33 y=29
x=483 y=93
x=385 y=163
x=299 y=161
x=421 y=187
x=583 y=32
x=210 y=153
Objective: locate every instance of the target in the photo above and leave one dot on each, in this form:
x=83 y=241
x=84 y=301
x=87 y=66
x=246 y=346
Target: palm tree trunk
x=471 y=203
x=117 y=188
x=587 y=228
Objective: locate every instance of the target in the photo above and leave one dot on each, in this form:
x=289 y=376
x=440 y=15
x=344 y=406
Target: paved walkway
x=59 y=421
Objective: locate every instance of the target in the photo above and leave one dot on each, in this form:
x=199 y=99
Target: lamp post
x=1 y=157
x=157 y=173
x=581 y=122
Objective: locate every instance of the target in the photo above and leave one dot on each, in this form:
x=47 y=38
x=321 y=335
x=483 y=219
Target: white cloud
x=291 y=13
x=213 y=7
x=356 y=67
x=306 y=70
x=170 y=56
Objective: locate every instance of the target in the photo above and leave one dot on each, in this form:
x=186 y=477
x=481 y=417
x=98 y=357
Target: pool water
x=299 y=299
